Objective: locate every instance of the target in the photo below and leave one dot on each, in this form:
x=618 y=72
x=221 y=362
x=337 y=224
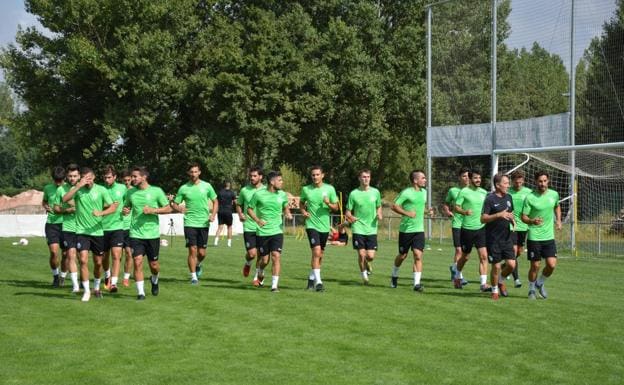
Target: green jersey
x=414 y=200
x=115 y=221
x=518 y=198
x=314 y=198
x=268 y=206
x=145 y=226
x=87 y=200
x=196 y=196
x=451 y=198
x=49 y=197
x=538 y=205
x=244 y=197
x=471 y=199
x=69 y=219
x=126 y=218
x=363 y=204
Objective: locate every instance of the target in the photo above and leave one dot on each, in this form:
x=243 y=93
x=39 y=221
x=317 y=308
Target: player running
x=456 y=223
x=54 y=227
x=537 y=212
x=249 y=225
x=126 y=177
x=364 y=213
x=227 y=199
x=518 y=194
x=498 y=216
x=265 y=208
x=410 y=204
x=114 y=234
x=316 y=202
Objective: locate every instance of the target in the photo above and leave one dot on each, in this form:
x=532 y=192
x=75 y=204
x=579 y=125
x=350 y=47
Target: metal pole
x=572 y=134
x=429 y=176
x=493 y=85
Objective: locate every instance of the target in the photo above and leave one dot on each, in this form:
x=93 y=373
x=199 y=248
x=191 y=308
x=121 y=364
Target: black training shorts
x=315 y=238
x=536 y=250
x=148 y=247
x=414 y=241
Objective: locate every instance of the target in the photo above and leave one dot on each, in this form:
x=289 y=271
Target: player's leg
x=190 y=235
x=202 y=243
x=262 y=260
x=466 y=247
x=138 y=252
x=398 y=260
x=417 y=246
x=69 y=245
x=128 y=262
x=249 y=239
x=53 y=239
x=549 y=252
x=534 y=256
x=82 y=244
x=152 y=250
x=229 y=234
x=116 y=251
x=371 y=248
x=219 y=227
x=456 y=232
x=98 y=257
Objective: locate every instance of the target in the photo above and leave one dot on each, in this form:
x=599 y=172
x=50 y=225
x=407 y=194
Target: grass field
x=227 y=332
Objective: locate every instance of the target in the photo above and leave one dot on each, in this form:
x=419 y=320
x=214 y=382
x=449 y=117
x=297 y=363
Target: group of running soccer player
x=107 y=220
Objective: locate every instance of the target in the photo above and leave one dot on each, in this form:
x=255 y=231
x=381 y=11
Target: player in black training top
x=227 y=199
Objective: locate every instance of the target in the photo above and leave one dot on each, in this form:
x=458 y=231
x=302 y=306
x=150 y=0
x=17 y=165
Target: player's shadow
x=32 y=284
x=353 y=282
x=55 y=295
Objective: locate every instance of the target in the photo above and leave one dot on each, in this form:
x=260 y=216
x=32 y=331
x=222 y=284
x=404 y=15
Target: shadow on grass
x=26 y=283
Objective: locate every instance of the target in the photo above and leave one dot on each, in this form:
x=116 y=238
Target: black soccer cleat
x=319 y=287
x=419 y=288
x=394 y=282
x=155 y=289
x=310 y=284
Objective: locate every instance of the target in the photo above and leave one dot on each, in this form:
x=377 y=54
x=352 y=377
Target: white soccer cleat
x=86 y=296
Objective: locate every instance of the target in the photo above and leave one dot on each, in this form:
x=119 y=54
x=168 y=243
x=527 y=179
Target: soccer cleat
x=365 y=281
x=199 y=270
x=61 y=281
x=502 y=289
x=319 y=287
x=76 y=290
x=97 y=294
x=126 y=282
x=86 y=296
x=542 y=290
x=464 y=282
x=369 y=267
x=113 y=288
x=194 y=282
x=457 y=283
x=495 y=296
x=155 y=289
x=246 y=269
x=56 y=281
x=532 y=294
x=274 y=290
x=419 y=288
x=107 y=283
x=310 y=284
x=452 y=272
x=140 y=297
x=394 y=282
x=518 y=283
x=485 y=288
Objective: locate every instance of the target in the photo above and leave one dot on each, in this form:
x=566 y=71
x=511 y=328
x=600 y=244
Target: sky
x=544 y=21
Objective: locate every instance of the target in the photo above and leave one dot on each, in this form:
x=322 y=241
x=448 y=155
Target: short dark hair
x=256 y=169
x=517 y=174
x=463 y=170
x=316 y=167
x=58 y=173
x=541 y=173
x=364 y=171
x=86 y=170
x=474 y=172
x=141 y=170
x=412 y=175
x=191 y=165
x=125 y=172
x=109 y=169
x=73 y=167
x=499 y=177
x=272 y=175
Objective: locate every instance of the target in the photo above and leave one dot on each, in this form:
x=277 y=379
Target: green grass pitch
x=224 y=331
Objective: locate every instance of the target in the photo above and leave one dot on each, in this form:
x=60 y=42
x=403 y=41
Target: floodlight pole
x=493 y=85
x=429 y=176
x=572 y=101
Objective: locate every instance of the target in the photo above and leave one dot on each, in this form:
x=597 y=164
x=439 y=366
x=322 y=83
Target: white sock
x=395 y=271
x=317 y=275
x=194 y=276
x=483 y=279
x=311 y=275
x=365 y=275
x=55 y=271
x=216 y=242
x=417 y=275
x=494 y=289
x=458 y=274
x=63 y=274
x=114 y=280
x=274 y=281
x=140 y=289
x=85 y=285
x=541 y=280
x=531 y=285
x=461 y=275
x=229 y=243
x=107 y=273
x=154 y=278
x=126 y=275
x=74 y=278
x=96 y=283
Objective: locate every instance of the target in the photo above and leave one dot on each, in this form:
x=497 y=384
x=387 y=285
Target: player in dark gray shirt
x=227 y=200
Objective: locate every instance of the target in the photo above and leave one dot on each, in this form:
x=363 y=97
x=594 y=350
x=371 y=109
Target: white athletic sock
x=274 y=281
x=483 y=279
x=194 y=276
x=395 y=271
x=96 y=283
x=311 y=275
x=107 y=273
x=140 y=288
x=541 y=280
x=63 y=274
x=229 y=243
x=74 y=278
x=114 y=280
x=126 y=275
x=216 y=241
x=531 y=285
x=317 y=275
x=55 y=271
x=494 y=289
x=458 y=274
x=365 y=275
x=461 y=275
x=154 y=278
x=85 y=285
x=417 y=275
x=256 y=275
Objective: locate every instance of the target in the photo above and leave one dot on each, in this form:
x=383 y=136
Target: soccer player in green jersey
x=196 y=194
x=68 y=210
x=316 y=201
x=144 y=202
x=537 y=212
x=469 y=203
x=449 y=210
x=266 y=208
x=54 y=227
x=92 y=203
x=518 y=193
x=249 y=226
x=411 y=205
x=126 y=177
x=113 y=229
x=364 y=212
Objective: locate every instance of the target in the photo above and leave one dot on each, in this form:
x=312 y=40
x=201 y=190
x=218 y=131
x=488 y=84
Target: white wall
x=34 y=225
